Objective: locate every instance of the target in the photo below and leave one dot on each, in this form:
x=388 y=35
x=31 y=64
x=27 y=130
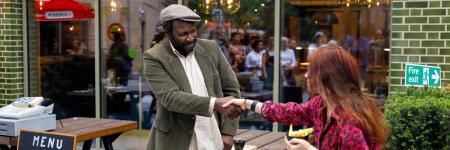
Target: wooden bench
x=263 y=140
x=85 y=130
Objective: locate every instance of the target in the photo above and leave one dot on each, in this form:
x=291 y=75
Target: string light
x=367 y=3
x=113 y=5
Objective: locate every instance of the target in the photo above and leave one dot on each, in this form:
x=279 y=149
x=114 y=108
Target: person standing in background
x=219 y=37
x=254 y=60
x=268 y=61
x=119 y=60
x=292 y=44
x=288 y=62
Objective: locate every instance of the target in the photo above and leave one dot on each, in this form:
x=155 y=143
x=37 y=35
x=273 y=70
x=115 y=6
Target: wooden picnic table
x=263 y=140
x=85 y=130
x=257 y=95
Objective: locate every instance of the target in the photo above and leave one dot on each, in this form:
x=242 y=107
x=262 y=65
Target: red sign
x=62 y=10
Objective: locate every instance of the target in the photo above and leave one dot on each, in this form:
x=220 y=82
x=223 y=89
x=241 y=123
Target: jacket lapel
x=204 y=63
x=177 y=67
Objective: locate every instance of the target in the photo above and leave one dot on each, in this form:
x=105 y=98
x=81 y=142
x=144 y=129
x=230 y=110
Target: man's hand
x=231 y=111
x=227 y=142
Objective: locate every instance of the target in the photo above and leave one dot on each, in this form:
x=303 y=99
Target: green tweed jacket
x=176 y=106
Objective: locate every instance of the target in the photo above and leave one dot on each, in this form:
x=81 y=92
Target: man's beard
x=184 y=50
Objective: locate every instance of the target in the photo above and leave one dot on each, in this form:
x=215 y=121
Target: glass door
x=61 y=55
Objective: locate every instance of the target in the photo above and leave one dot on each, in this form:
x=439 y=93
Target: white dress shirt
x=206 y=134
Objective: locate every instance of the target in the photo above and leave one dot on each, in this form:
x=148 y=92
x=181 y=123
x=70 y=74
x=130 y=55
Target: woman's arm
x=284 y=113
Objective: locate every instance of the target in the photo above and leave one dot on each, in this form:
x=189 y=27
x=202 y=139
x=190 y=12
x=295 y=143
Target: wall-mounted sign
x=58 y=15
x=115 y=27
x=29 y=139
x=419 y=75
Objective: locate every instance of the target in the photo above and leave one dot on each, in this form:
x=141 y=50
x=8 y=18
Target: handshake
x=229 y=106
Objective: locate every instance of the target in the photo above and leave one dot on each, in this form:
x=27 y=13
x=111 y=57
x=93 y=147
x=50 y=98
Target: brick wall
x=420 y=35
x=11 y=51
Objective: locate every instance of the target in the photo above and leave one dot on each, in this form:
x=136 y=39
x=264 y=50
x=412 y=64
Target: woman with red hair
x=341 y=115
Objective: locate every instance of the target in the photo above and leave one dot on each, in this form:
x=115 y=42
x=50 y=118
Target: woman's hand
x=298 y=144
x=239 y=102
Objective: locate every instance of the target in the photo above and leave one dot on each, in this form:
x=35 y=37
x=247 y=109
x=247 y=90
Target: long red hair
x=334 y=74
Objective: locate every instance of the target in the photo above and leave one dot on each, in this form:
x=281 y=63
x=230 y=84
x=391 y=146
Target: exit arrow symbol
x=435 y=77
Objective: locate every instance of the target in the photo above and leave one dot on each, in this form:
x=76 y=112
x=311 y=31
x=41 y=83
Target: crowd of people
x=255 y=53
x=198 y=93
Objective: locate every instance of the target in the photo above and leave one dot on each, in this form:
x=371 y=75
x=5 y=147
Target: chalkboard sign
x=39 y=140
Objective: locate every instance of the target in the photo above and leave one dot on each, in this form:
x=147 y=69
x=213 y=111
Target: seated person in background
x=237 y=53
x=254 y=60
x=292 y=44
x=343 y=117
x=319 y=40
x=77 y=48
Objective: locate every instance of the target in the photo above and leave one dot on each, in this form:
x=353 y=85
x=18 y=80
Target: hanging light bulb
x=206 y=6
x=114 y=6
x=230 y=6
x=40 y=5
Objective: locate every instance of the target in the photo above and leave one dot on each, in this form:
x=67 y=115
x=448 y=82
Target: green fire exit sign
x=419 y=75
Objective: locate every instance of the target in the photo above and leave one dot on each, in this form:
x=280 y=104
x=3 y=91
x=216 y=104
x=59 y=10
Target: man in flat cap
x=191 y=79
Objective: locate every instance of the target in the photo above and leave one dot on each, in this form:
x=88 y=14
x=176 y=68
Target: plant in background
x=419 y=119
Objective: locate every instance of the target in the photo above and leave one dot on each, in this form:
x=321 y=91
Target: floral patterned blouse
x=330 y=133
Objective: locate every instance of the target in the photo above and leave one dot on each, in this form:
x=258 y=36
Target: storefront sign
x=419 y=75
x=58 y=14
x=45 y=141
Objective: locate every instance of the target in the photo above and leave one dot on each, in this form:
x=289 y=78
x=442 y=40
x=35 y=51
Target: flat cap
x=176 y=11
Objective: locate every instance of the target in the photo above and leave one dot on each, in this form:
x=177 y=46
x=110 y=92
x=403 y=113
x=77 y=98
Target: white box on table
x=10 y=127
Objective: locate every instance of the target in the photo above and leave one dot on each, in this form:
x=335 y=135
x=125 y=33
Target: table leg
x=87 y=145
x=4 y=147
x=108 y=140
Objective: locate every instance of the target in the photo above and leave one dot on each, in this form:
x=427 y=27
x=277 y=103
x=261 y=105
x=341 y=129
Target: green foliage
x=419 y=119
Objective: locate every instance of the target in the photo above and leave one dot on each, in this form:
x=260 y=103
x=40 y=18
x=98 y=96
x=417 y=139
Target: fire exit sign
x=420 y=76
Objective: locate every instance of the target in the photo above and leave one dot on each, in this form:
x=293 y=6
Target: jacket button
x=193 y=118
x=190 y=132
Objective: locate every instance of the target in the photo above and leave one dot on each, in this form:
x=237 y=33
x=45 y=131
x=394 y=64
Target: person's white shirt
x=311 y=48
x=287 y=56
x=206 y=130
x=254 y=60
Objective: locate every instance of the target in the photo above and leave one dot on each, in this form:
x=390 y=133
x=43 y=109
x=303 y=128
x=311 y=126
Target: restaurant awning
x=62 y=10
